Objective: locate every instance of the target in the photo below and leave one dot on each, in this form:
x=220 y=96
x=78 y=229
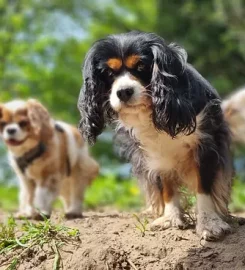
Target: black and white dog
x=169 y=123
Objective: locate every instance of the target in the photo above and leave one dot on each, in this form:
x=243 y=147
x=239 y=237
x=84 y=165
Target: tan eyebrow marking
x=132 y=60
x=6 y=115
x=114 y=63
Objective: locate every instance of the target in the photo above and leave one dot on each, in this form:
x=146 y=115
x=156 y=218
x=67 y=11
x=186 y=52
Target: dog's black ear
x=172 y=107
x=91 y=100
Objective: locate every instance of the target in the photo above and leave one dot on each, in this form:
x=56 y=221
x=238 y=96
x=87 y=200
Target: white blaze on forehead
x=125 y=81
x=15 y=105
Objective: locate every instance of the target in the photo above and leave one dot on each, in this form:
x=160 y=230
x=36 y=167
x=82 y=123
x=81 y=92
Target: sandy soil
x=111 y=241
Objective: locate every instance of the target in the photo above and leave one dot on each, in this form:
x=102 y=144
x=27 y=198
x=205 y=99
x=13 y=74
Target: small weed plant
x=141 y=225
x=16 y=240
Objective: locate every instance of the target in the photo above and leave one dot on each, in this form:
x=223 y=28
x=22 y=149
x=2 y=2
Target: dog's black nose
x=125 y=94
x=11 y=131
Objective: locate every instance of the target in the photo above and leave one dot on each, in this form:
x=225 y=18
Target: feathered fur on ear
x=172 y=108
x=91 y=100
x=39 y=118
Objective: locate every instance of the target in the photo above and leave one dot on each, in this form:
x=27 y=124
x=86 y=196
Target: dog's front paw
x=166 y=222
x=211 y=227
x=40 y=216
x=22 y=215
x=25 y=212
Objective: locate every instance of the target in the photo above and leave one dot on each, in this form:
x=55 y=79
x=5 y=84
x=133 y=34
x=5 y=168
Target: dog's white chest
x=164 y=153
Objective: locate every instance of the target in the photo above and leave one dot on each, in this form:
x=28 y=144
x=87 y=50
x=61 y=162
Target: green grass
x=108 y=191
x=9 y=198
x=120 y=194
x=16 y=240
x=238 y=196
x=104 y=191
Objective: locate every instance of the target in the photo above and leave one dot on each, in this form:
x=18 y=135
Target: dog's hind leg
x=214 y=182
x=72 y=196
x=82 y=176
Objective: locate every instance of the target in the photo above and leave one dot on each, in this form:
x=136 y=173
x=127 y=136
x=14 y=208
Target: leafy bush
x=238 y=196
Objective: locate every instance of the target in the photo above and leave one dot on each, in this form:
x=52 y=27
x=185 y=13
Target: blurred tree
x=213 y=33
x=37 y=38
x=44 y=42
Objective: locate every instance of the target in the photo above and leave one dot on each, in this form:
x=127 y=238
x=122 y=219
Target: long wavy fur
x=93 y=101
x=172 y=109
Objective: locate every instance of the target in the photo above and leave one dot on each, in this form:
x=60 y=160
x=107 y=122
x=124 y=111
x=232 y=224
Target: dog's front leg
x=173 y=214
x=210 y=225
x=26 y=196
x=45 y=194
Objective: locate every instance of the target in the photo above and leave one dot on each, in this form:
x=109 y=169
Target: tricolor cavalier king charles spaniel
x=50 y=158
x=170 y=125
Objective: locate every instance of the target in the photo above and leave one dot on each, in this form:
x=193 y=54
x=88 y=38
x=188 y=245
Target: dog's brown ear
x=39 y=117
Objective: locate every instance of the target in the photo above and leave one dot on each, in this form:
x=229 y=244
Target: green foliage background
x=43 y=44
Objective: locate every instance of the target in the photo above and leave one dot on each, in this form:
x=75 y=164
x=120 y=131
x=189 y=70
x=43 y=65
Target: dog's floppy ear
x=91 y=100
x=172 y=108
x=39 y=117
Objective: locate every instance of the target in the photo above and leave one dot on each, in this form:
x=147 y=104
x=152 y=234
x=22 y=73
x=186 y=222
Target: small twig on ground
x=132 y=264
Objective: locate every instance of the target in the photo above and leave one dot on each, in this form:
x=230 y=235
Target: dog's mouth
x=13 y=142
x=143 y=104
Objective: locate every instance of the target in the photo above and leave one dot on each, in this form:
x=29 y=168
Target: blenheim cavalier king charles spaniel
x=50 y=158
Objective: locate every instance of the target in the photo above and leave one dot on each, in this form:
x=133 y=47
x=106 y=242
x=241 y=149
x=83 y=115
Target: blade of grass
x=57 y=258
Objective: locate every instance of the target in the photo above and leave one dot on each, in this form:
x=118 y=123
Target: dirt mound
x=112 y=241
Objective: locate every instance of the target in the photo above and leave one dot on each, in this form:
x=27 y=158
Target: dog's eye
x=110 y=72
x=140 y=67
x=23 y=123
x=2 y=124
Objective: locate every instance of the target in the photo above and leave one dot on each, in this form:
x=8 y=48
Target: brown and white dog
x=50 y=158
x=234 y=111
